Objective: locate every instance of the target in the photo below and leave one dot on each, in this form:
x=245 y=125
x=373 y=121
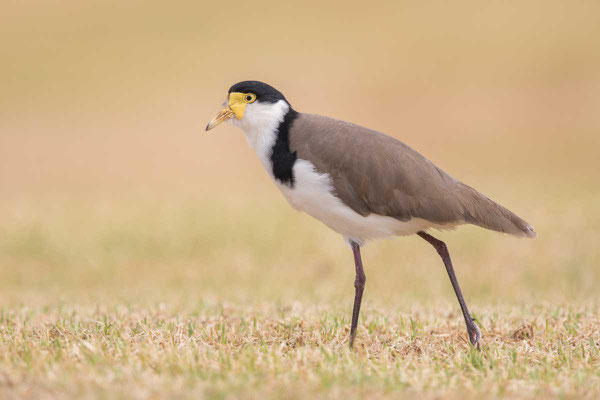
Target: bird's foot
x=474 y=334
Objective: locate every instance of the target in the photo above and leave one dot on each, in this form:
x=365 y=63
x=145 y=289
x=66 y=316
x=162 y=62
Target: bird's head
x=250 y=104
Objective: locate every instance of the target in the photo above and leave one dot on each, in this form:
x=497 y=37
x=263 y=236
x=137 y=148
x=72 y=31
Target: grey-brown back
x=375 y=173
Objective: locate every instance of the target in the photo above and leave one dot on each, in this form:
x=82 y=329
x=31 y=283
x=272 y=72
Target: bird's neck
x=267 y=132
x=260 y=123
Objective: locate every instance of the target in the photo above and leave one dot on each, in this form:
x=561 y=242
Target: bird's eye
x=250 y=97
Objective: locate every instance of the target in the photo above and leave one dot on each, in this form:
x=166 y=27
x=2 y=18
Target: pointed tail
x=483 y=211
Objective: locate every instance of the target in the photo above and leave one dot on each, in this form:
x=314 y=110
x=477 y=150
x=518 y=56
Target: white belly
x=312 y=193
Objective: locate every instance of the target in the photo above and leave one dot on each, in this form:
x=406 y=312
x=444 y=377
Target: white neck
x=260 y=123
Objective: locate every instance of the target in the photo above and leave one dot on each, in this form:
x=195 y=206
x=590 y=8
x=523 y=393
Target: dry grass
x=224 y=351
x=258 y=351
x=147 y=302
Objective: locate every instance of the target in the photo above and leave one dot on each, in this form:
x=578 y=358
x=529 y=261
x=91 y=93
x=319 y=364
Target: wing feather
x=375 y=173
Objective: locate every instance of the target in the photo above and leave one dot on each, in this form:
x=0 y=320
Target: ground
x=290 y=351
x=100 y=301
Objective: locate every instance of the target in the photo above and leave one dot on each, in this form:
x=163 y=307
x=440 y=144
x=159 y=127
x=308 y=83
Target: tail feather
x=483 y=211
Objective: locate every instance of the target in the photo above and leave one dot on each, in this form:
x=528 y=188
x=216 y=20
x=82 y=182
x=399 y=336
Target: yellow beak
x=223 y=115
x=236 y=107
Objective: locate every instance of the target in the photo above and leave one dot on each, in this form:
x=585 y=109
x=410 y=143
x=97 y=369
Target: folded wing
x=375 y=173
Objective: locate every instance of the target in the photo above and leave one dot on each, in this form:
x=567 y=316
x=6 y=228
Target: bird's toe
x=474 y=335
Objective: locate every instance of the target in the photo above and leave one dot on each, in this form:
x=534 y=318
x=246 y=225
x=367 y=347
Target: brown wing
x=375 y=173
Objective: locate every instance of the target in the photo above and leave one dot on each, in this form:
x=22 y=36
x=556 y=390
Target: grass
x=292 y=351
x=139 y=300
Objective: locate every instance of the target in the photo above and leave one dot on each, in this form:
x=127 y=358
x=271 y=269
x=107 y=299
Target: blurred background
x=110 y=190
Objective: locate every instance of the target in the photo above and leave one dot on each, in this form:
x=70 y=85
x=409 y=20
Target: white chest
x=313 y=194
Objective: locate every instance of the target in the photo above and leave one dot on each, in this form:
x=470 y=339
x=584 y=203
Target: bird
x=361 y=183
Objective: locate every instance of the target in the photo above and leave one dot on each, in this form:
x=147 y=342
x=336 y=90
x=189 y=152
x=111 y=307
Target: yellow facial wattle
x=237 y=105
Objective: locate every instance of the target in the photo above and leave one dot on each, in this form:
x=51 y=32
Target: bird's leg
x=472 y=328
x=359 y=286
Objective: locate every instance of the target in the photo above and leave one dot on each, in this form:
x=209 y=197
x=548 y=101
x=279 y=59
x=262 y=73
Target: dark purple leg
x=472 y=328
x=359 y=285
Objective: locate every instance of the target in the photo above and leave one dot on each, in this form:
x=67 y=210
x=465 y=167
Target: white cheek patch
x=261 y=120
x=260 y=123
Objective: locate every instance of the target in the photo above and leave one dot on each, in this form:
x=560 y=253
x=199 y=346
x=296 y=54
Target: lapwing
x=359 y=182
